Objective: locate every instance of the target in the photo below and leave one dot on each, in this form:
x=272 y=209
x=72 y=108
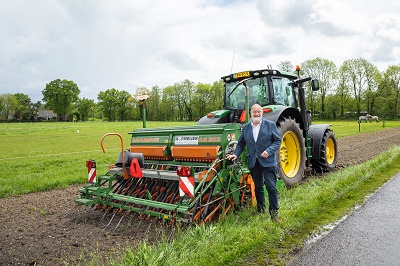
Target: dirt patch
x=49 y=228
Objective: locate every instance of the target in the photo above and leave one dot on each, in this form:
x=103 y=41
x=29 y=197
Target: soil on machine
x=49 y=228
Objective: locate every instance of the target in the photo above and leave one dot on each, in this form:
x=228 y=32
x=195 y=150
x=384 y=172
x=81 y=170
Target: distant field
x=42 y=156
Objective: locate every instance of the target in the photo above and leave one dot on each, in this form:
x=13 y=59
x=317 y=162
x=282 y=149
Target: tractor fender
x=280 y=111
x=317 y=132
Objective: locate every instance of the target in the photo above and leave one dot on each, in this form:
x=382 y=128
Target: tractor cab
x=265 y=89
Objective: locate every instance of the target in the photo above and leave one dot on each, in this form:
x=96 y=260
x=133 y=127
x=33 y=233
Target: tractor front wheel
x=292 y=153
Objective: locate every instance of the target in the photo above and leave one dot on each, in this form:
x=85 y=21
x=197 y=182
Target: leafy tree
x=8 y=103
x=123 y=104
x=187 y=91
x=323 y=70
x=154 y=111
x=108 y=103
x=359 y=77
x=342 y=96
x=169 y=103
x=176 y=100
x=22 y=109
x=59 y=96
x=114 y=103
x=286 y=66
x=85 y=107
x=202 y=100
x=391 y=81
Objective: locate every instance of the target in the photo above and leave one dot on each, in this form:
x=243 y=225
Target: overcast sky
x=126 y=44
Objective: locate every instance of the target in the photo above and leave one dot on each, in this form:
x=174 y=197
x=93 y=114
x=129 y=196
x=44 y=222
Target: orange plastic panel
x=195 y=152
x=150 y=151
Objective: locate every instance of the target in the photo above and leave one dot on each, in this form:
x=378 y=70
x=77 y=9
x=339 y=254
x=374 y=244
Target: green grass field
x=42 y=156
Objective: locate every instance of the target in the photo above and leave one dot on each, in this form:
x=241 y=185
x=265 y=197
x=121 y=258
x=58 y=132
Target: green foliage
x=59 y=96
x=115 y=104
x=8 y=103
x=85 y=108
x=356 y=87
x=23 y=110
x=323 y=70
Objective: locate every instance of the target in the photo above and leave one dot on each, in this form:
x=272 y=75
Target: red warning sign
x=186 y=186
x=91 y=166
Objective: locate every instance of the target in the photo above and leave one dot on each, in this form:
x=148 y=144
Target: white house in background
x=45 y=115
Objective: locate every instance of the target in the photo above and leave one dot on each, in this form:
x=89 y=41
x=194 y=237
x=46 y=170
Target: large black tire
x=328 y=153
x=291 y=156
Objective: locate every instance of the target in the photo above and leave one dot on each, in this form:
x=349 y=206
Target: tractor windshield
x=235 y=94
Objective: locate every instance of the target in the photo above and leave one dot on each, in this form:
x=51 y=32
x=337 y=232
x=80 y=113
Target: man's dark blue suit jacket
x=268 y=140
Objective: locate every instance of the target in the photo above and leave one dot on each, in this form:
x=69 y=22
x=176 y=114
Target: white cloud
x=129 y=44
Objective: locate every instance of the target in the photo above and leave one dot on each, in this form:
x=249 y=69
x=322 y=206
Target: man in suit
x=263 y=140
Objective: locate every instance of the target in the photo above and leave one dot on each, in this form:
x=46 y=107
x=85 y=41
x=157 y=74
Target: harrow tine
x=148 y=229
x=115 y=228
x=102 y=218
x=115 y=213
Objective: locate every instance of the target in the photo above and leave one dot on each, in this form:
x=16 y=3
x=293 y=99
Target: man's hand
x=231 y=157
x=264 y=154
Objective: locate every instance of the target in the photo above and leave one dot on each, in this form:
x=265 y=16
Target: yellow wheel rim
x=330 y=151
x=290 y=154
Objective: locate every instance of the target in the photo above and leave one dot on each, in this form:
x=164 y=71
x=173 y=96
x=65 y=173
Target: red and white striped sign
x=186 y=186
x=91 y=166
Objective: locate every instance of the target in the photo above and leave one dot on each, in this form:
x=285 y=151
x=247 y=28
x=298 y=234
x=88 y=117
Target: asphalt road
x=369 y=236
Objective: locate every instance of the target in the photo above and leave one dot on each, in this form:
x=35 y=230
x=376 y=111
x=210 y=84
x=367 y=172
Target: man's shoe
x=276 y=219
x=274 y=215
x=258 y=212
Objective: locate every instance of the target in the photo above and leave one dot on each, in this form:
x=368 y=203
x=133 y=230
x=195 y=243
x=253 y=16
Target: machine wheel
x=291 y=156
x=328 y=152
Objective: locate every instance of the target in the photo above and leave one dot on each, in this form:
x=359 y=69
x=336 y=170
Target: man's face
x=256 y=114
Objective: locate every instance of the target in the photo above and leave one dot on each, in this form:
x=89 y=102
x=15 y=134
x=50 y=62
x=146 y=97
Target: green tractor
x=282 y=96
x=180 y=175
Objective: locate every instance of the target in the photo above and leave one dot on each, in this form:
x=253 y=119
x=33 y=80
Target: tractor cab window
x=283 y=92
x=258 y=92
x=235 y=98
x=235 y=95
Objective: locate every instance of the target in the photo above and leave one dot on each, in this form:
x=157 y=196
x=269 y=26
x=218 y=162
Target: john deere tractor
x=282 y=96
x=180 y=174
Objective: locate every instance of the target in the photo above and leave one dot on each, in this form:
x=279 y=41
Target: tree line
x=354 y=88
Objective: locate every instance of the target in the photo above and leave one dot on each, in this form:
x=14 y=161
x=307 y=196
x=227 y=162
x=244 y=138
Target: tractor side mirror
x=315 y=85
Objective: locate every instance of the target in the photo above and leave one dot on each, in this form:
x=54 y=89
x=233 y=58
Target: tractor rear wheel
x=291 y=156
x=328 y=153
